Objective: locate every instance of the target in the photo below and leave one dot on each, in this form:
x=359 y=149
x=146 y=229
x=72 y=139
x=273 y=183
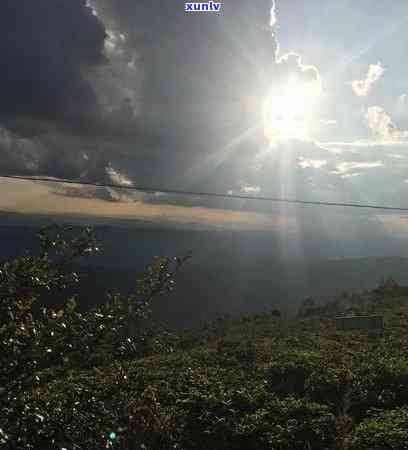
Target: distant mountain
x=230 y=272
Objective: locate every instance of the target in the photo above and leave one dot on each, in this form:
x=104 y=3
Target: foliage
x=388 y=429
x=289 y=372
x=111 y=378
x=39 y=344
x=248 y=419
x=382 y=382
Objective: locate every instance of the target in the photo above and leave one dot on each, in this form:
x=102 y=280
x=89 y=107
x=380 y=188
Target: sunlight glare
x=289 y=113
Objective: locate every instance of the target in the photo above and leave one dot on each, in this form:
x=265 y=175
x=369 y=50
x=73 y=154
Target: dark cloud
x=137 y=84
x=168 y=99
x=45 y=46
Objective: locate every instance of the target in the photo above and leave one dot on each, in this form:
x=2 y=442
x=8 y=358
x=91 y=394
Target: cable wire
x=153 y=190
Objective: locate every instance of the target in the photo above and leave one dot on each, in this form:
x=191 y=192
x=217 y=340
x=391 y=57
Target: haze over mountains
x=231 y=272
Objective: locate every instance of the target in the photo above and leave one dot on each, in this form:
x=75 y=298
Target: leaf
x=71 y=306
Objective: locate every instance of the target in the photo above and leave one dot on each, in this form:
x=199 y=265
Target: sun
x=290 y=113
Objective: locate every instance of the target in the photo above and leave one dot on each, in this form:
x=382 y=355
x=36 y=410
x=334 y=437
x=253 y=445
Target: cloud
x=19 y=152
x=382 y=125
x=91 y=7
x=362 y=88
x=305 y=163
x=114 y=42
x=47 y=101
x=294 y=63
x=46 y=49
x=71 y=89
x=298 y=83
x=38 y=198
x=97 y=193
x=351 y=175
x=273 y=20
x=353 y=146
x=247 y=189
x=125 y=83
x=118 y=178
x=344 y=167
x=166 y=95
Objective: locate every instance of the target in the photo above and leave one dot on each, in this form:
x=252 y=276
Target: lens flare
x=112 y=436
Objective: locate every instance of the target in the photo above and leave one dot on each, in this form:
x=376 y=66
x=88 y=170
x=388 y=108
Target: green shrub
x=289 y=372
x=249 y=419
x=330 y=385
x=381 y=382
x=387 y=430
x=39 y=345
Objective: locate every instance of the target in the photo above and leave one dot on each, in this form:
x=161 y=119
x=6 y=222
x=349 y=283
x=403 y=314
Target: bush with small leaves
x=39 y=345
x=331 y=385
x=288 y=372
x=381 y=382
x=388 y=429
x=250 y=419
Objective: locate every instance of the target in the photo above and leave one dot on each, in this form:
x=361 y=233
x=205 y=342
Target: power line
x=202 y=194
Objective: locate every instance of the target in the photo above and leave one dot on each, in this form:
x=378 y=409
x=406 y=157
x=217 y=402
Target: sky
x=295 y=99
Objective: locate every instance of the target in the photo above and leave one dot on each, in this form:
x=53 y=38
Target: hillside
x=261 y=382
x=230 y=272
x=110 y=376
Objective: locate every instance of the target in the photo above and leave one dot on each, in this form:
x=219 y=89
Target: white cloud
x=294 y=60
x=339 y=147
x=247 y=189
x=273 y=14
x=305 y=69
x=114 y=43
x=311 y=163
x=381 y=123
x=345 y=167
x=328 y=121
x=335 y=147
x=89 y=5
x=351 y=175
x=118 y=178
x=125 y=197
x=362 y=87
